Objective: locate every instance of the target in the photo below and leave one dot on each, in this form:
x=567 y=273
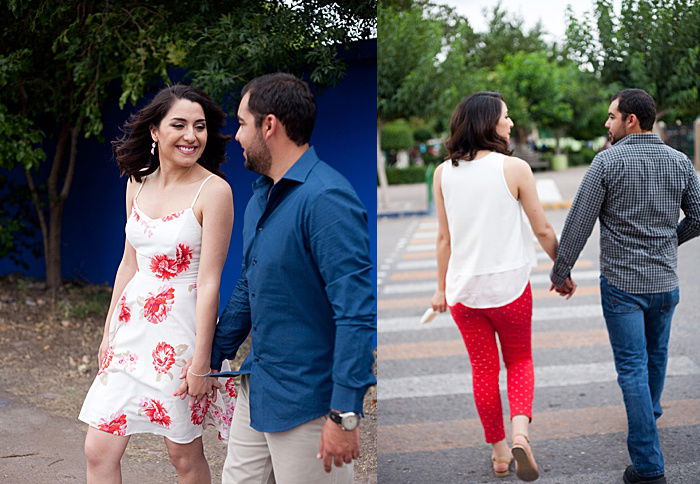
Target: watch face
x=350 y=422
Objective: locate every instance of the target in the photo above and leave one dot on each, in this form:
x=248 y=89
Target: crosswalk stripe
x=429 y=286
x=545 y=376
x=420 y=247
x=412 y=323
x=451 y=347
x=432 y=274
x=423 y=301
x=555 y=424
x=427 y=251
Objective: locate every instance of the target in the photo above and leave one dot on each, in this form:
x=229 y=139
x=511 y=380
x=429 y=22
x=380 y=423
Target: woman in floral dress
x=166 y=291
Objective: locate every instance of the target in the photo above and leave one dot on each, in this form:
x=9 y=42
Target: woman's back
x=488 y=232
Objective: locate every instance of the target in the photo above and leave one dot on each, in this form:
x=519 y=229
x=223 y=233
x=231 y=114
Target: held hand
x=182 y=389
x=567 y=289
x=438 y=302
x=337 y=445
x=201 y=386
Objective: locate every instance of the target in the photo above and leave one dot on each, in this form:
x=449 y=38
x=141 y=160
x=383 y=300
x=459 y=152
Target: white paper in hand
x=428 y=316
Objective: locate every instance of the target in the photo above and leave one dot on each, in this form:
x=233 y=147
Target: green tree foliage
x=59 y=58
x=652 y=44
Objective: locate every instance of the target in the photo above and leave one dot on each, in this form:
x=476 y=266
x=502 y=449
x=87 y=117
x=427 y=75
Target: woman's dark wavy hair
x=133 y=149
x=473 y=127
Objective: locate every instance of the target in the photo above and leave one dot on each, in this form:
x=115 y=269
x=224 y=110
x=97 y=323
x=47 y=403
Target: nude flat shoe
x=498 y=466
x=525 y=465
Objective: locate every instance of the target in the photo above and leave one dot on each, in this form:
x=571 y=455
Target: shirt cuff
x=557 y=279
x=347 y=399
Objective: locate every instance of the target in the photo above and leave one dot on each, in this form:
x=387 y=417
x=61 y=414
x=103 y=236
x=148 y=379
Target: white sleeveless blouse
x=492 y=250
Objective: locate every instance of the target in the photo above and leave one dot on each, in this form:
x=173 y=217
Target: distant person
x=484 y=258
x=179 y=214
x=637 y=189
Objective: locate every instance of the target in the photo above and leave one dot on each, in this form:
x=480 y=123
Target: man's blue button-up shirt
x=306 y=296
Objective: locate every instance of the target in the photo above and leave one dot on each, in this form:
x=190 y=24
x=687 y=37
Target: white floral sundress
x=152 y=335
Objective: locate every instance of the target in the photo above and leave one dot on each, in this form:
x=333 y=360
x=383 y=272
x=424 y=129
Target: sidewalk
x=41 y=448
x=556 y=189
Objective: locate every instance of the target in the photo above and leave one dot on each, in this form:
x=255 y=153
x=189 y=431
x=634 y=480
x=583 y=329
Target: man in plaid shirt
x=637 y=189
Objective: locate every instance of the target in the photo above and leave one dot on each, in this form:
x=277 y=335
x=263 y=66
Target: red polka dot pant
x=513 y=324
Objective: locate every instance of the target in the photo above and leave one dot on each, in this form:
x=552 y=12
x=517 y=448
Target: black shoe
x=631 y=477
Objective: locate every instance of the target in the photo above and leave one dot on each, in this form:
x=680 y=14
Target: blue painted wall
x=95 y=214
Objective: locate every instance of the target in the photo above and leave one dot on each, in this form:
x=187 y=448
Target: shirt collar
x=640 y=139
x=298 y=172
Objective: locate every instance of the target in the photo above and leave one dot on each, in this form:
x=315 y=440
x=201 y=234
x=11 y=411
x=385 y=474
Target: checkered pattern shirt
x=636 y=188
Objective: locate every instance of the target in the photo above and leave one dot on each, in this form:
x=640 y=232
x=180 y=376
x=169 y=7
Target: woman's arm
x=442 y=245
x=216 y=201
x=519 y=177
x=125 y=271
x=519 y=172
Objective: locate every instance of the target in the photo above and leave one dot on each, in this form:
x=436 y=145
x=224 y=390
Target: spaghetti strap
x=143 y=182
x=200 y=189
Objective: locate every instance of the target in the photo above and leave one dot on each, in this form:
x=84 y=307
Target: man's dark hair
x=473 y=127
x=288 y=98
x=639 y=103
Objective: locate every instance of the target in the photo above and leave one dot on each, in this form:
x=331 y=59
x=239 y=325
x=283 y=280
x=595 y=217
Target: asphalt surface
x=429 y=430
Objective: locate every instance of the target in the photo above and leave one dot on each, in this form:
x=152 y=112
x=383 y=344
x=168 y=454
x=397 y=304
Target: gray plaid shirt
x=636 y=188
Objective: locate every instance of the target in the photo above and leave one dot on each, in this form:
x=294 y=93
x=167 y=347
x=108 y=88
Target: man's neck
x=284 y=159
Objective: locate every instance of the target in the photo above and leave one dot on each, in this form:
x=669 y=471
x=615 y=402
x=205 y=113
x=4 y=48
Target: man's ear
x=269 y=126
x=631 y=120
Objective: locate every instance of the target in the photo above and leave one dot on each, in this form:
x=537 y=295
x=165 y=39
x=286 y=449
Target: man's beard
x=258 y=157
x=615 y=137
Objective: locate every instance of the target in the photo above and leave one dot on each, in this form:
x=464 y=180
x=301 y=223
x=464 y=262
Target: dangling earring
x=153 y=148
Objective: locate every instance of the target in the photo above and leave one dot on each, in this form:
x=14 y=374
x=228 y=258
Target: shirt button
x=257 y=360
x=255 y=261
x=255 y=328
x=260 y=229
x=252 y=294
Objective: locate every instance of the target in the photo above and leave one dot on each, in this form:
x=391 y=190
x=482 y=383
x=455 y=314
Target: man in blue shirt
x=305 y=295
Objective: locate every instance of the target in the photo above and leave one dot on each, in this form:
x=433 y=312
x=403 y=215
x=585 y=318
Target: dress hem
x=128 y=434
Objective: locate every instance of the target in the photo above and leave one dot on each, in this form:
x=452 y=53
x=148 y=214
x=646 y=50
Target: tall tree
x=652 y=44
x=58 y=59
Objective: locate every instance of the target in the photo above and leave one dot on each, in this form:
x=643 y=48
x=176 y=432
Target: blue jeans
x=639 y=326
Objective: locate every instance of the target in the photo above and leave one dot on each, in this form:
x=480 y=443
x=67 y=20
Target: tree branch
x=72 y=156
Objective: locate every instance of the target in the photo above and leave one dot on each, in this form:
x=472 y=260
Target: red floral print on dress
x=183 y=254
x=163 y=357
x=156 y=412
x=156 y=307
x=136 y=215
x=124 y=310
x=163 y=266
x=231 y=388
x=199 y=410
x=172 y=216
x=115 y=426
x=106 y=360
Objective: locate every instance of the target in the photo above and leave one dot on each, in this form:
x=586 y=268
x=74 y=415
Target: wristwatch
x=346 y=420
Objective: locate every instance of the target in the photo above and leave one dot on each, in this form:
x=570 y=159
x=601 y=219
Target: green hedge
x=401 y=176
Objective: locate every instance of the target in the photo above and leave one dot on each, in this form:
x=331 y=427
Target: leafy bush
x=397 y=135
x=422 y=135
x=401 y=176
x=583 y=157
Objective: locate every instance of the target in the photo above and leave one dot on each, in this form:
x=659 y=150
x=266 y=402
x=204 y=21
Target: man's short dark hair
x=288 y=98
x=639 y=103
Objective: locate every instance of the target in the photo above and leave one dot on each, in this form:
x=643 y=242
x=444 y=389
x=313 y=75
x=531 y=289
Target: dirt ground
x=48 y=358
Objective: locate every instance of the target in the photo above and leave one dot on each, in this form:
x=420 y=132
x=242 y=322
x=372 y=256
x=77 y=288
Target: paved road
x=428 y=427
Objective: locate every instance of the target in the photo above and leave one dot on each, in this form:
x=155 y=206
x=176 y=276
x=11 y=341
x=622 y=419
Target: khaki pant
x=276 y=457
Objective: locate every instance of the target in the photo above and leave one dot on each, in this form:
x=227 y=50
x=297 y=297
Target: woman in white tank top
x=484 y=257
